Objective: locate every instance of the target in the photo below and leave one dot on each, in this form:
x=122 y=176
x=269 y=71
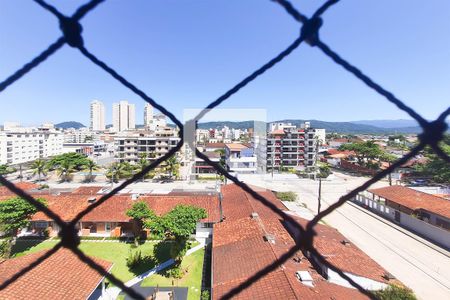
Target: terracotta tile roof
x=87 y=190
x=414 y=200
x=215 y=145
x=239 y=251
x=332 y=151
x=67 y=206
x=235 y=146
x=26 y=186
x=348 y=257
x=277 y=132
x=61 y=276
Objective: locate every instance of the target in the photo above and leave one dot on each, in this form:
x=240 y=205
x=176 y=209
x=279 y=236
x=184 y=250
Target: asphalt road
x=420 y=265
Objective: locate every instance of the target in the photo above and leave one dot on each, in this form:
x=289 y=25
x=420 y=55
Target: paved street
x=408 y=257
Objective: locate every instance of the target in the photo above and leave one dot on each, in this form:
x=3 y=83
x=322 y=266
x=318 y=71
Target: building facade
x=124 y=117
x=129 y=148
x=240 y=158
x=292 y=147
x=18 y=147
x=97 y=116
x=148 y=115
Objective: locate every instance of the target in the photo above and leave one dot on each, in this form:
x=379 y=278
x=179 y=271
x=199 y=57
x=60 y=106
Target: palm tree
x=115 y=171
x=91 y=166
x=172 y=166
x=39 y=167
x=142 y=164
x=65 y=169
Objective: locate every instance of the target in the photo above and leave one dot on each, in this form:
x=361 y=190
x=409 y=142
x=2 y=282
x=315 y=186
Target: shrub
x=4 y=249
x=393 y=292
x=324 y=171
x=205 y=295
x=286 y=196
x=43 y=186
x=134 y=259
x=175 y=272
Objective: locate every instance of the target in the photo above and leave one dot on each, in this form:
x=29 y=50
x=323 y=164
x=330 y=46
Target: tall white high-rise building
x=148 y=115
x=124 y=116
x=97 y=115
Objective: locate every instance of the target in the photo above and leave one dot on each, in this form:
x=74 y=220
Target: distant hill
x=69 y=124
x=401 y=123
x=220 y=124
x=338 y=127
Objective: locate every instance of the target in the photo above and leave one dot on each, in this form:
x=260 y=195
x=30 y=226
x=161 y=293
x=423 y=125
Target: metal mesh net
x=432 y=133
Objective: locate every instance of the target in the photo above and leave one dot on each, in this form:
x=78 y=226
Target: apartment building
x=153 y=143
x=124 y=117
x=25 y=145
x=292 y=147
x=240 y=158
x=148 y=115
x=97 y=116
x=82 y=135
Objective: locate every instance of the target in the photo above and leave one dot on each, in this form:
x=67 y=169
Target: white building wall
x=148 y=115
x=124 y=116
x=131 y=116
x=21 y=147
x=116 y=117
x=97 y=116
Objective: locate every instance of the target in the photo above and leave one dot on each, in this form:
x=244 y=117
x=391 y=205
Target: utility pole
x=320 y=195
x=20 y=170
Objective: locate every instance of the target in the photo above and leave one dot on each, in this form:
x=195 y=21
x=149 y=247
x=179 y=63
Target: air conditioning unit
x=254 y=215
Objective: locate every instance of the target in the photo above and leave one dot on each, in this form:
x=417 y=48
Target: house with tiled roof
x=432 y=209
x=201 y=167
x=252 y=236
x=41 y=283
x=109 y=219
x=240 y=159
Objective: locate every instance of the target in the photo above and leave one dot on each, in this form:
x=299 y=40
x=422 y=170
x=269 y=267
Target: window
x=108 y=227
x=41 y=224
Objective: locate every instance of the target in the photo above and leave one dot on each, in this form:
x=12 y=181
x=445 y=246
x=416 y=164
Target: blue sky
x=187 y=53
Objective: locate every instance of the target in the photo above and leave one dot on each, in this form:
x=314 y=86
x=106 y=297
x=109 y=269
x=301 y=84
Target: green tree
x=436 y=167
x=140 y=212
x=222 y=162
x=178 y=225
x=6 y=169
x=114 y=171
x=142 y=164
x=65 y=169
x=367 y=153
x=39 y=168
x=77 y=160
x=173 y=166
x=15 y=213
x=393 y=292
x=91 y=166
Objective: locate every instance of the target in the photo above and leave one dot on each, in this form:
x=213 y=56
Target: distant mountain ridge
x=353 y=127
x=338 y=127
x=69 y=124
x=400 y=123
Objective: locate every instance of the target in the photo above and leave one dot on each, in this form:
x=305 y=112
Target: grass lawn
x=192 y=279
x=114 y=252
